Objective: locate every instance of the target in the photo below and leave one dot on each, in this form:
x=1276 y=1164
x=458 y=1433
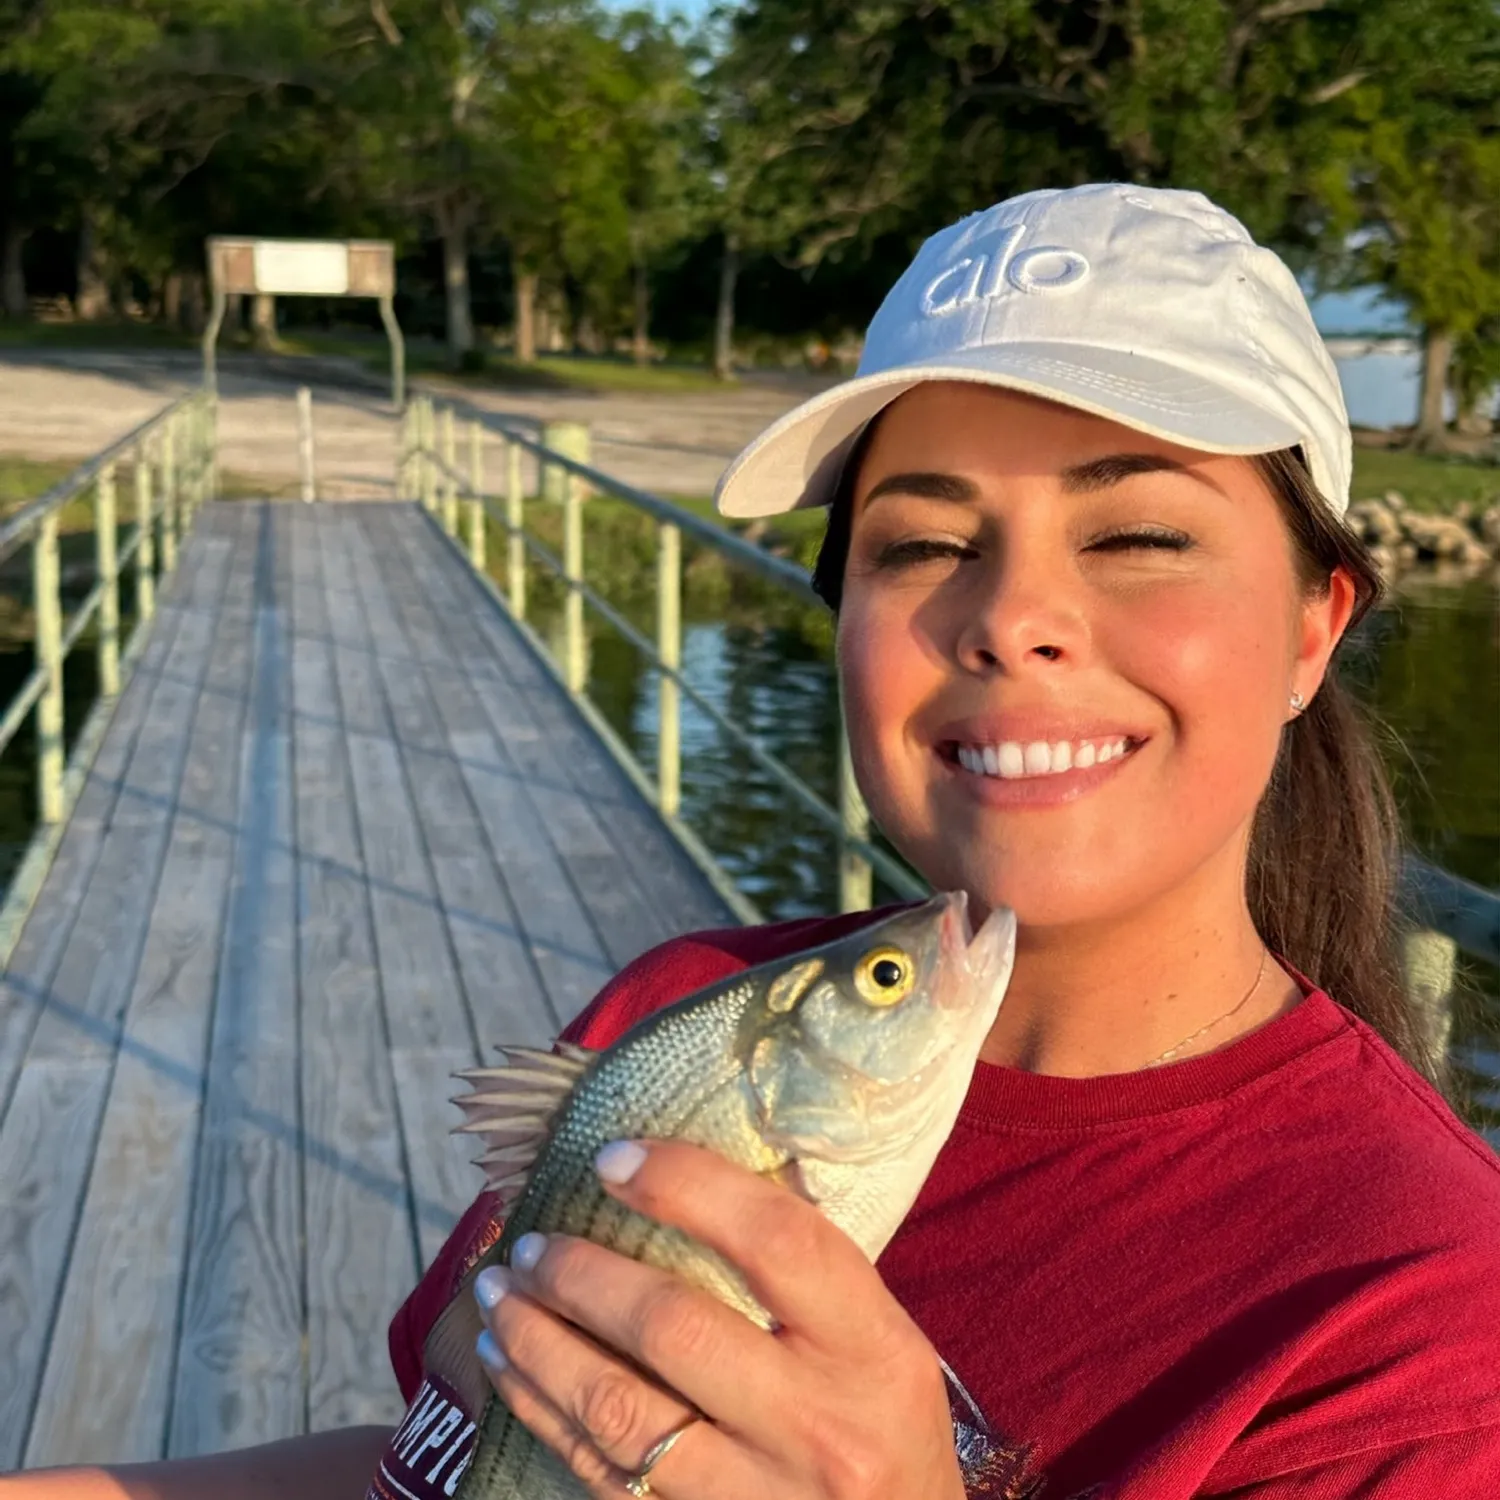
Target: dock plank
x=357 y=1188
x=241 y=1365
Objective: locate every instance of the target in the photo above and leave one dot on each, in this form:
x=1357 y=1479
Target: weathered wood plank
x=119 y=1303
x=500 y=978
x=48 y=1135
x=362 y=1256
x=241 y=1376
x=427 y=1022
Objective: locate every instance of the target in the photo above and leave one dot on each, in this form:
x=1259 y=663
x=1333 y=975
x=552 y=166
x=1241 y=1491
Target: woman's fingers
x=811 y=1277
x=715 y=1357
x=601 y=1416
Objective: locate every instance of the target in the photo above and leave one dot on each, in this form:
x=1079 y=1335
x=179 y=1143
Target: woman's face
x=1066 y=651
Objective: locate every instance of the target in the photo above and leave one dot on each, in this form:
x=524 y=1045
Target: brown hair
x=1325 y=844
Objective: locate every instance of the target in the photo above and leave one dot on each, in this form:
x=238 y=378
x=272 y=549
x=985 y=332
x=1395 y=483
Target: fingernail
x=489 y=1352
x=527 y=1251
x=619 y=1161
x=490 y=1286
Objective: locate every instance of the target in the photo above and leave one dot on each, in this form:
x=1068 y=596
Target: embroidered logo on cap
x=991 y=273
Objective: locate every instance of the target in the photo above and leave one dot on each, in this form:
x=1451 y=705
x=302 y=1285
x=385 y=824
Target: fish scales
x=843 y=1067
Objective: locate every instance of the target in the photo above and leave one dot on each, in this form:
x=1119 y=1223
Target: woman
x=1200 y=1230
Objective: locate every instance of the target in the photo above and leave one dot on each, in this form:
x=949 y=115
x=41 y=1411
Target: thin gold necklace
x=1156 y=1062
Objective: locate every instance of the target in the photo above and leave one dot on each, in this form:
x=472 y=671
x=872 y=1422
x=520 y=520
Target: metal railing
x=171 y=466
x=1450 y=915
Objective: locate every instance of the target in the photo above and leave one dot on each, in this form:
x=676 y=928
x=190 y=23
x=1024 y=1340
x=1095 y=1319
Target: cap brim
x=797 y=460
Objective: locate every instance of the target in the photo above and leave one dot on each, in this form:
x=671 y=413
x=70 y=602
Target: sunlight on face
x=1066 y=650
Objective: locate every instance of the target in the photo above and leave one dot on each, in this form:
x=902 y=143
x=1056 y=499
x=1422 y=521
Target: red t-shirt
x=1272 y=1271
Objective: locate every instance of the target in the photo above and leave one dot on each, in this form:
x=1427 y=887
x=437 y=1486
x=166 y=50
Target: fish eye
x=884 y=976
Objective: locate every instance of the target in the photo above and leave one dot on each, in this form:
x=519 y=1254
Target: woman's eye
x=1155 y=538
x=919 y=550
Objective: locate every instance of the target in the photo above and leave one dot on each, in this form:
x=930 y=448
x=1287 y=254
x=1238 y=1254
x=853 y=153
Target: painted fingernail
x=490 y=1286
x=489 y=1353
x=527 y=1251
x=619 y=1161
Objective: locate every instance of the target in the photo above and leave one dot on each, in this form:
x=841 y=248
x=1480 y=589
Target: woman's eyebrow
x=1101 y=473
x=925 y=485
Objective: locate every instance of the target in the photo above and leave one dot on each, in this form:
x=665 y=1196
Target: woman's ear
x=1325 y=617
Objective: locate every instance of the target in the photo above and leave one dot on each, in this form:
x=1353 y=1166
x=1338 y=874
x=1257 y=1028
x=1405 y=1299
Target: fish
x=838 y=1072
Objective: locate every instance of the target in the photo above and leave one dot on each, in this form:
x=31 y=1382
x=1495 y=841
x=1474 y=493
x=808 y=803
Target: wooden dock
x=343 y=834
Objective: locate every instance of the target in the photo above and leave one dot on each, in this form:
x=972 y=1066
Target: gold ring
x=638 y=1483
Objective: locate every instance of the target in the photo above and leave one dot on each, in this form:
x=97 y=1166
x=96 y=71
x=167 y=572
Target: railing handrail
x=15 y=527
x=1465 y=913
x=779 y=570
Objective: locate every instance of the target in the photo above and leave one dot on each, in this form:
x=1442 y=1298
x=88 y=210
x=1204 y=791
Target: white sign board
x=305 y=268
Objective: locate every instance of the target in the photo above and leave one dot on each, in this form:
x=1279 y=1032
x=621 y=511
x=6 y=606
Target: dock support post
x=106 y=564
x=145 y=552
x=305 y=443
x=575 y=646
x=515 y=517
x=856 y=881
x=168 y=500
x=1429 y=960
x=669 y=647
x=474 y=506
x=45 y=581
x=450 y=485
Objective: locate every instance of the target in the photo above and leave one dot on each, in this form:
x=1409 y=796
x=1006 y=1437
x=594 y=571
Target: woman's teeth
x=1012 y=760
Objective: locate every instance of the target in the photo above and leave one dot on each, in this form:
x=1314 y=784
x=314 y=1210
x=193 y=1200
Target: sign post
x=304 y=268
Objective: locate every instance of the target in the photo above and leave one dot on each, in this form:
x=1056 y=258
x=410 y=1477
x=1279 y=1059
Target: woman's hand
x=845 y=1401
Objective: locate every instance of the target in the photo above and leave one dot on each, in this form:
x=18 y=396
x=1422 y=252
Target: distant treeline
x=598 y=179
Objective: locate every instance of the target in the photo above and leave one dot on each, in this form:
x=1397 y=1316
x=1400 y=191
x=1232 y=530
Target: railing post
x=474 y=507
x=515 y=517
x=450 y=485
x=145 y=552
x=856 y=882
x=575 y=646
x=429 y=469
x=669 y=647
x=305 y=451
x=47 y=606
x=168 y=501
x=106 y=564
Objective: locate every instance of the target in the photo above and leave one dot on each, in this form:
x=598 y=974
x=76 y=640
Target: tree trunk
x=1437 y=355
x=13 y=276
x=263 y=321
x=729 y=270
x=194 y=309
x=171 y=300
x=453 y=225
x=640 y=343
x=526 y=286
x=92 y=301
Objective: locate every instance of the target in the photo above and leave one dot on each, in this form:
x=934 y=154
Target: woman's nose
x=1025 y=616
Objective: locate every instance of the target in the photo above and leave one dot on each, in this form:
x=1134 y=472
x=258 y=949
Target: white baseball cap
x=1149 y=306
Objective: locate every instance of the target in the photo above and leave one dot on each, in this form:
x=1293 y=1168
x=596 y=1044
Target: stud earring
x=1298 y=702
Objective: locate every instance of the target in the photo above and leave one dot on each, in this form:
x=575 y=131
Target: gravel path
x=70 y=404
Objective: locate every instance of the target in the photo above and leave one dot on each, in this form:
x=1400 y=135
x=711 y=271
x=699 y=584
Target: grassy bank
x=1428 y=484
